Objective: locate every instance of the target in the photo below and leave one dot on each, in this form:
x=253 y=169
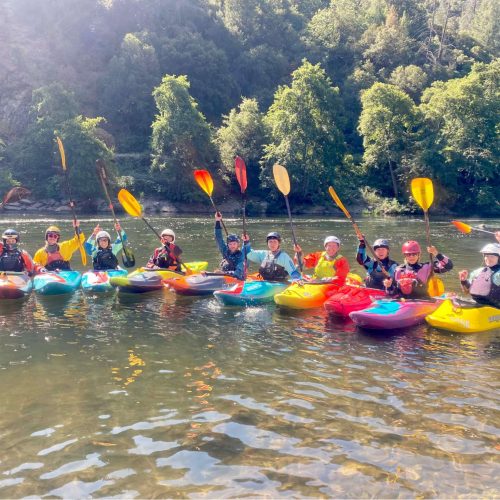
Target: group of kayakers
x=406 y=280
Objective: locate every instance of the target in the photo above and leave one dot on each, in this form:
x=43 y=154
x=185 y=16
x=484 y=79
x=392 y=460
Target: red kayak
x=352 y=298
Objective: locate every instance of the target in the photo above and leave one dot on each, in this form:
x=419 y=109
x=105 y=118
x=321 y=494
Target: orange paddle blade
x=423 y=192
x=435 y=287
x=204 y=180
x=129 y=203
x=61 y=152
x=462 y=227
x=241 y=173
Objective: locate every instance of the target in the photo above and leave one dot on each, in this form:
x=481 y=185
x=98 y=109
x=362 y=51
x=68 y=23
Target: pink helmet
x=411 y=247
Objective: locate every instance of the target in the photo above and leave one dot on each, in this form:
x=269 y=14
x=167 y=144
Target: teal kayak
x=251 y=293
x=14 y=285
x=57 y=283
x=100 y=281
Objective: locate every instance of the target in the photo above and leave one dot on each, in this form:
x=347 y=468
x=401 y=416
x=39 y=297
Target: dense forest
x=359 y=94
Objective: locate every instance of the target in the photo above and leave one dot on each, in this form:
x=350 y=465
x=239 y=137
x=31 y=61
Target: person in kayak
x=233 y=257
x=484 y=283
x=55 y=255
x=274 y=264
x=328 y=264
x=12 y=259
x=374 y=275
x=102 y=251
x=168 y=255
x=411 y=277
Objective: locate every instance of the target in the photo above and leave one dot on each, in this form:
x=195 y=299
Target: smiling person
x=484 y=283
x=55 y=255
x=102 y=251
x=166 y=256
x=13 y=259
x=411 y=277
x=374 y=275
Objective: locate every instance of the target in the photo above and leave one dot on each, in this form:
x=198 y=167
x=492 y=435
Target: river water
x=163 y=396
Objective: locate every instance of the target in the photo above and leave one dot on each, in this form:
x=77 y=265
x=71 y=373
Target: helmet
x=168 y=232
x=10 y=233
x=331 y=239
x=52 y=229
x=491 y=248
x=381 y=243
x=232 y=237
x=411 y=247
x=273 y=236
x=102 y=234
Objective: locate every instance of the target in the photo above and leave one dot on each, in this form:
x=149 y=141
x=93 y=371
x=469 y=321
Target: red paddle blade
x=241 y=173
x=204 y=180
x=461 y=226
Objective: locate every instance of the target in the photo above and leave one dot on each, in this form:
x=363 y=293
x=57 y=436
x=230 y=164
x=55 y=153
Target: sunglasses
x=411 y=254
x=52 y=235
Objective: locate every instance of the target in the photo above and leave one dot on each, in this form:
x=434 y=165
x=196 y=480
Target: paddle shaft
x=299 y=254
x=217 y=210
x=428 y=237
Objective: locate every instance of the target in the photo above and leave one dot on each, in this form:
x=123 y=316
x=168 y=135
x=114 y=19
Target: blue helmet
x=232 y=237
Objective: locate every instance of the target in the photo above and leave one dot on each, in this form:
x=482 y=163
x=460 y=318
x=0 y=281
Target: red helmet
x=411 y=247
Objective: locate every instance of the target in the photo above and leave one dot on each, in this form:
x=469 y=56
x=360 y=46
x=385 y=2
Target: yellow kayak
x=455 y=318
x=195 y=267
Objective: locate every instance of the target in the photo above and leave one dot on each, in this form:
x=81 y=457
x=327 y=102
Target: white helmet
x=491 y=248
x=102 y=234
x=331 y=239
x=168 y=232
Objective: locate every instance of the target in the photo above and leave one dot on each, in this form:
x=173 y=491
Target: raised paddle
x=359 y=234
x=14 y=194
x=133 y=208
x=241 y=175
x=83 y=255
x=128 y=258
x=282 y=180
x=204 y=180
x=466 y=229
x=423 y=193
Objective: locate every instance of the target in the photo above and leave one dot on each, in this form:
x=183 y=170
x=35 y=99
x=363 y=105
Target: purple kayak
x=391 y=314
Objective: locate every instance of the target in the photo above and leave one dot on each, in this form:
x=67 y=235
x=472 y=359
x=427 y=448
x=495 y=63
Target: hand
x=300 y=282
x=218 y=216
x=203 y=273
x=76 y=223
x=388 y=282
x=462 y=275
x=297 y=248
x=361 y=238
x=497 y=236
x=432 y=250
x=43 y=270
x=245 y=238
x=96 y=230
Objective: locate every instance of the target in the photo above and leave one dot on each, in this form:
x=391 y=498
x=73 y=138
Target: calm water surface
x=165 y=396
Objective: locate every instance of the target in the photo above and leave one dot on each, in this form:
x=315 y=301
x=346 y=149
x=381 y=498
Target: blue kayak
x=100 y=281
x=57 y=282
x=251 y=293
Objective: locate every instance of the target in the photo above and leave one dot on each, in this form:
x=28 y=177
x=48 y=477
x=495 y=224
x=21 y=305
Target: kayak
x=199 y=284
x=464 y=318
x=14 y=285
x=351 y=298
x=251 y=293
x=99 y=281
x=194 y=268
x=311 y=295
x=386 y=314
x=57 y=282
x=140 y=282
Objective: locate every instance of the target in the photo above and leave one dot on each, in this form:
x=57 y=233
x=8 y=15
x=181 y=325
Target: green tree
x=304 y=132
x=181 y=140
x=411 y=79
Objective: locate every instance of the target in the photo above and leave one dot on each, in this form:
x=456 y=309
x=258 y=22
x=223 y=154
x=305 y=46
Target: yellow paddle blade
x=83 y=255
x=129 y=203
x=336 y=199
x=423 y=192
x=61 y=152
x=281 y=178
x=204 y=180
x=462 y=227
x=435 y=287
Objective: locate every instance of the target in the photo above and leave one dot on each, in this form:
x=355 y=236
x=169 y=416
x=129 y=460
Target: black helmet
x=381 y=243
x=273 y=236
x=232 y=237
x=10 y=233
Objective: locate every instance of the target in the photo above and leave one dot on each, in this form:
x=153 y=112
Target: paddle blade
x=129 y=203
x=241 y=173
x=435 y=287
x=462 y=227
x=336 y=199
x=83 y=255
x=128 y=257
x=281 y=178
x=204 y=180
x=61 y=152
x=423 y=192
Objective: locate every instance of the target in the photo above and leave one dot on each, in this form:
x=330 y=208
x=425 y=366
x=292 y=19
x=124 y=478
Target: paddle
x=283 y=183
x=423 y=193
x=241 y=176
x=83 y=255
x=14 y=194
x=128 y=258
x=466 y=229
x=359 y=234
x=204 y=180
x=133 y=208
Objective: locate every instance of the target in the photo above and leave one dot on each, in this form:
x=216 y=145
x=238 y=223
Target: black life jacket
x=104 y=260
x=270 y=270
x=58 y=264
x=11 y=261
x=485 y=287
x=167 y=259
x=376 y=277
x=230 y=261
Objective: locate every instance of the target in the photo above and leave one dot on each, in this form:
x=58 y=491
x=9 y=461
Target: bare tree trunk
x=393 y=178
x=443 y=34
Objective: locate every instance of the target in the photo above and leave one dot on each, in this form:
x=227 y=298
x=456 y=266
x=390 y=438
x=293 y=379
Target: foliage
x=379 y=205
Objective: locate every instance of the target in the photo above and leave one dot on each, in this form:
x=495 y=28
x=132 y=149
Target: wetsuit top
x=484 y=285
x=104 y=259
x=270 y=264
x=374 y=275
x=233 y=263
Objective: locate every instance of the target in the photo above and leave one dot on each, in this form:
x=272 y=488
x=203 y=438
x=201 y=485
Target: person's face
x=103 y=242
x=273 y=244
x=166 y=238
x=412 y=258
x=233 y=246
x=10 y=241
x=331 y=248
x=490 y=259
x=382 y=252
x=52 y=238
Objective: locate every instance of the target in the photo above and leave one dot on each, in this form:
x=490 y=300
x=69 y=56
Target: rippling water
x=165 y=396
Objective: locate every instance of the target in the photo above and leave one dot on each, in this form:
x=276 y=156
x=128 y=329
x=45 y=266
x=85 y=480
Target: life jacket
x=326 y=268
x=55 y=261
x=104 y=260
x=230 y=261
x=375 y=277
x=166 y=258
x=270 y=270
x=485 y=286
x=12 y=261
x=411 y=279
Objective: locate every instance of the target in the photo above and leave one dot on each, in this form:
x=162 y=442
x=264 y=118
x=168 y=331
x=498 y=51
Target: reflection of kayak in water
x=351 y=298
x=251 y=293
x=100 y=281
x=391 y=314
x=57 y=282
x=464 y=318
x=14 y=285
x=200 y=284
